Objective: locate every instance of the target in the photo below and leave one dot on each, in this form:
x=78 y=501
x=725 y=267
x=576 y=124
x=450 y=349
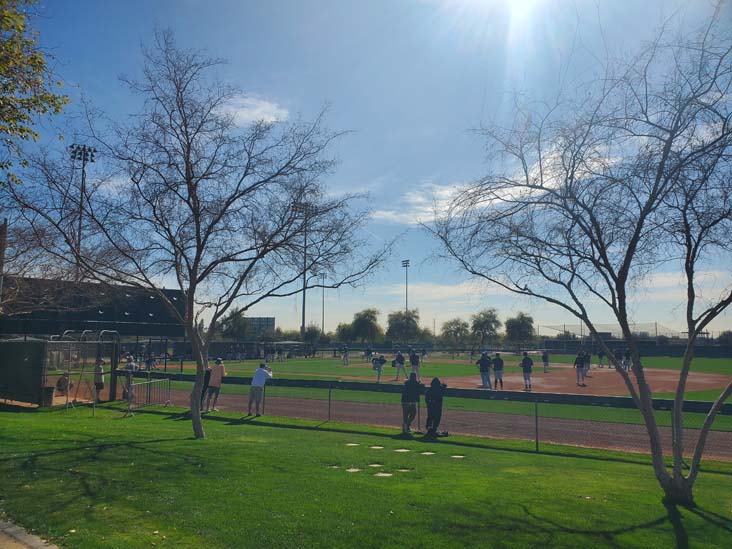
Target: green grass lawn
x=135 y=482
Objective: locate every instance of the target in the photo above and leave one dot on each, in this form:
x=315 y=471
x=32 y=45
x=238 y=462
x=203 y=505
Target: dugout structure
x=59 y=371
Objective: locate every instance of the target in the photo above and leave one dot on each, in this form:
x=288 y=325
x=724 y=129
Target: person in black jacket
x=433 y=399
x=410 y=398
x=484 y=366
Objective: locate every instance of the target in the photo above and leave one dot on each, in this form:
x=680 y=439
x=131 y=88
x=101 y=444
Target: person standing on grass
x=526 y=365
x=206 y=382
x=433 y=399
x=414 y=364
x=579 y=365
x=400 y=365
x=410 y=399
x=344 y=355
x=497 y=371
x=601 y=358
x=98 y=378
x=484 y=366
x=256 y=391
x=377 y=364
x=545 y=361
x=218 y=372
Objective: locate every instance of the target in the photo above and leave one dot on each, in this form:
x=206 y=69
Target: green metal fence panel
x=21 y=370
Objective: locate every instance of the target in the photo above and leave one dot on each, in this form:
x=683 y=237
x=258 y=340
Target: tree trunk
x=197 y=347
x=678 y=491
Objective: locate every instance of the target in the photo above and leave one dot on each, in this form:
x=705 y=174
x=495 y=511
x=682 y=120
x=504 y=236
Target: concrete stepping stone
x=376 y=447
x=352 y=470
x=352 y=444
x=457 y=456
x=376 y=464
x=383 y=475
x=402 y=450
x=427 y=453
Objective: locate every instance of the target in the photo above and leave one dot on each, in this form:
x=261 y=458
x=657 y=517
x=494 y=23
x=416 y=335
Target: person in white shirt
x=256 y=391
x=214 y=384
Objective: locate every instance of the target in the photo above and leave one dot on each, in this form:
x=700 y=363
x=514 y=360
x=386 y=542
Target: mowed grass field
x=438 y=365
x=274 y=482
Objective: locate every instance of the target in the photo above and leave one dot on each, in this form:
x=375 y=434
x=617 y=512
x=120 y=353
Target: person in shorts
x=218 y=372
x=484 y=366
x=526 y=365
x=497 y=371
x=256 y=391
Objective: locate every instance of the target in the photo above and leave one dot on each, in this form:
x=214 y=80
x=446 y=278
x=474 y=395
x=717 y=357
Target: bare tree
x=590 y=194
x=229 y=215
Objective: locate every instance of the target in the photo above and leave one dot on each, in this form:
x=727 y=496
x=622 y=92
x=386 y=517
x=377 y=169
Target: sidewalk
x=14 y=537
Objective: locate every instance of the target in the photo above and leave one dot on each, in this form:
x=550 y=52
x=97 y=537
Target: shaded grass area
x=560 y=411
x=270 y=483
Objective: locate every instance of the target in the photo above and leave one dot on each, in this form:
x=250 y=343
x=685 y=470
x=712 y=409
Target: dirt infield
x=589 y=434
x=603 y=381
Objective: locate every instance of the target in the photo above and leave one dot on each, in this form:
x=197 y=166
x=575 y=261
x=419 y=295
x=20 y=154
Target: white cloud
x=418 y=205
x=249 y=108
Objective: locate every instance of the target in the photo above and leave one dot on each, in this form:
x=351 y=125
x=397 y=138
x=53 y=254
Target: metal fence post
x=419 y=416
x=536 y=424
x=330 y=388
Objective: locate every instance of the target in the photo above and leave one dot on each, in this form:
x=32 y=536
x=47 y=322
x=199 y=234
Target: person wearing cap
x=484 y=366
x=497 y=371
x=526 y=364
x=206 y=381
x=545 y=360
x=214 y=384
x=414 y=364
x=98 y=378
x=399 y=364
x=256 y=391
x=377 y=363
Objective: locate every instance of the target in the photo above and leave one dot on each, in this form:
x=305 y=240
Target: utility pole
x=322 y=322
x=305 y=209
x=3 y=246
x=405 y=264
x=85 y=154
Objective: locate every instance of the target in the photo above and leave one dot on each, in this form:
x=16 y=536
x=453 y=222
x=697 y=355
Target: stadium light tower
x=405 y=264
x=306 y=210
x=85 y=154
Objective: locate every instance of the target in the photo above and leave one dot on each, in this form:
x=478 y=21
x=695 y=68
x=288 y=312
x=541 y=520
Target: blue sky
x=408 y=79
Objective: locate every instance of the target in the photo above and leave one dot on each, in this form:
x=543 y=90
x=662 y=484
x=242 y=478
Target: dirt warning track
x=589 y=434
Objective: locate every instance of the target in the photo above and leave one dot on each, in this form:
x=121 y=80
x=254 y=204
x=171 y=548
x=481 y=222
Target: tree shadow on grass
x=327 y=426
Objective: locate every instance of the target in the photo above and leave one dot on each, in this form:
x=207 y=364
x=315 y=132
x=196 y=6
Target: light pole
x=85 y=154
x=405 y=264
x=322 y=322
x=307 y=210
